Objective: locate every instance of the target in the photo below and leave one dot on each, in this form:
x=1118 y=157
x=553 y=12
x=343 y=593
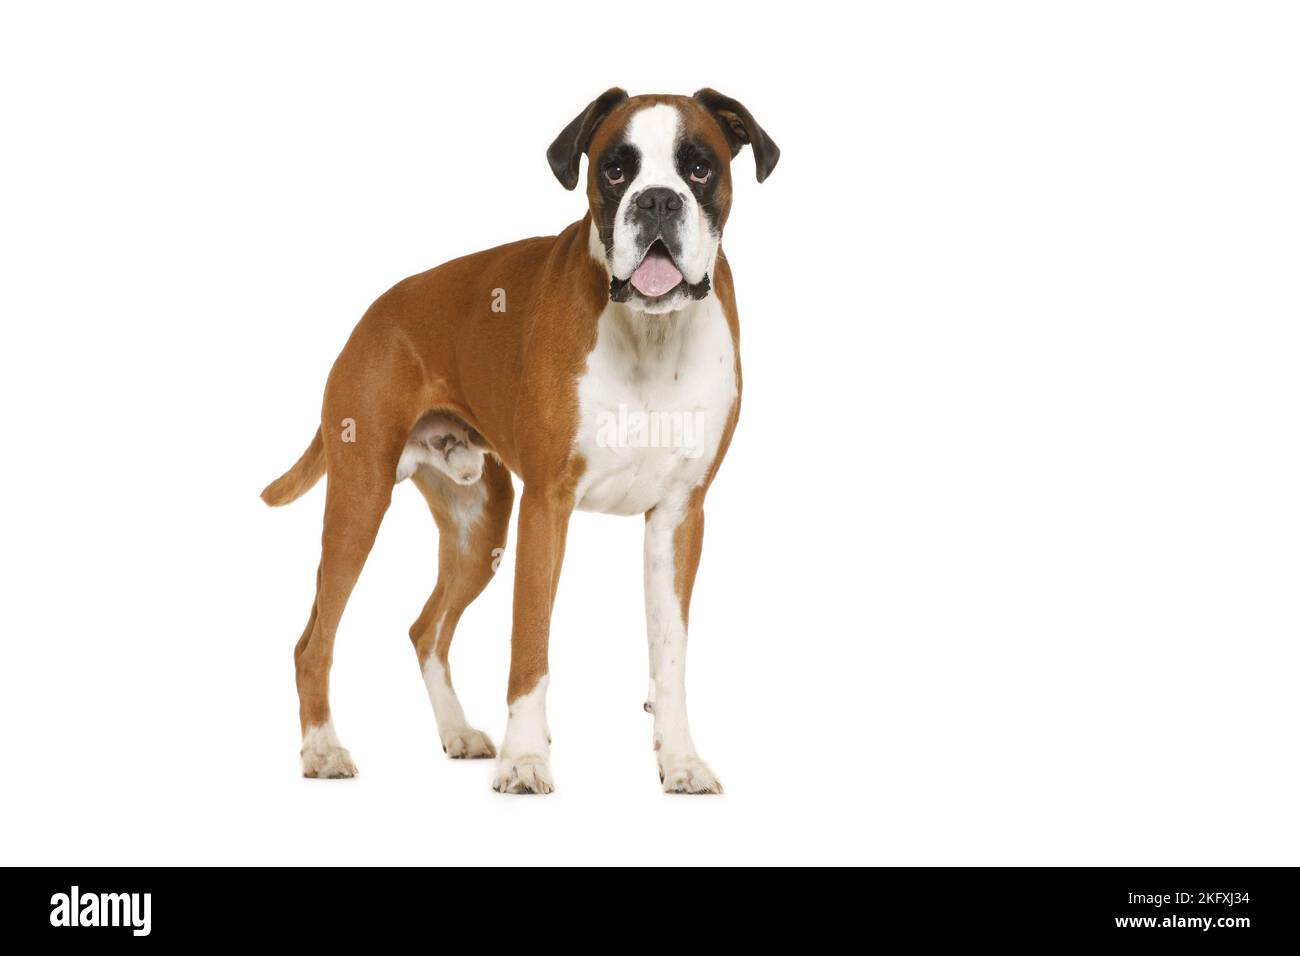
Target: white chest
x=654 y=402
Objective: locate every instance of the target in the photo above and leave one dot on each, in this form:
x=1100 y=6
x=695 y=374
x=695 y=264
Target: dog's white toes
x=687 y=774
x=327 y=763
x=467 y=743
x=528 y=773
x=322 y=754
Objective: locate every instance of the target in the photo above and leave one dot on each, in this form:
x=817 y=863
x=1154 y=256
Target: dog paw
x=527 y=773
x=687 y=774
x=466 y=743
x=327 y=763
x=323 y=756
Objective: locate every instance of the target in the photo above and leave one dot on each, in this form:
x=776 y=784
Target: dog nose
x=664 y=202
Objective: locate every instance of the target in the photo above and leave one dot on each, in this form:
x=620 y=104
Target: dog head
x=659 y=187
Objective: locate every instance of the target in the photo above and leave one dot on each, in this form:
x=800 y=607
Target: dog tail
x=297 y=481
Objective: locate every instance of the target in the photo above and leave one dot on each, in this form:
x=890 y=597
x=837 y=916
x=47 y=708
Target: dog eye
x=701 y=172
x=614 y=174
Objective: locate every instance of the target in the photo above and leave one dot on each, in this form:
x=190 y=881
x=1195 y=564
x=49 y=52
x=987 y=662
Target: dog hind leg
x=472 y=526
x=358 y=490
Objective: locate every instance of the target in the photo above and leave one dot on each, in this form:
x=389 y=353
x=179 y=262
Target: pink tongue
x=655 y=275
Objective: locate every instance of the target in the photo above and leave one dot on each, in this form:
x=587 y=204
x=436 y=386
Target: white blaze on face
x=654 y=132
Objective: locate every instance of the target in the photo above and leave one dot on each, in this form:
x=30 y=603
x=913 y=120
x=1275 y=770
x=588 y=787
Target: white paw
x=327 y=762
x=687 y=773
x=323 y=756
x=527 y=773
x=467 y=743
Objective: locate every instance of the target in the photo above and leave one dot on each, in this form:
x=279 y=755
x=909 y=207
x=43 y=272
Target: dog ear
x=740 y=128
x=566 y=152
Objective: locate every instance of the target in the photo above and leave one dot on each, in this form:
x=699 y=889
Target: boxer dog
x=600 y=366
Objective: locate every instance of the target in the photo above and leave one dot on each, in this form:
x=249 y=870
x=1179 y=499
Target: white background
x=1001 y=567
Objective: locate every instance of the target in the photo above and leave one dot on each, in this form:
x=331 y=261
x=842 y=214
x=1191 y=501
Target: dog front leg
x=525 y=762
x=674 y=535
